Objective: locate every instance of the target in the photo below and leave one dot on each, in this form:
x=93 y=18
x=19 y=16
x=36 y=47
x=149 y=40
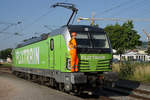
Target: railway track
x=122 y=93
x=116 y=93
x=135 y=94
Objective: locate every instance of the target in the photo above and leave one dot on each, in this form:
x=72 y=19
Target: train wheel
x=41 y=80
x=34 y=78
x=51 y=82
x=67 y=87
x=61 y=87
x=28 y=76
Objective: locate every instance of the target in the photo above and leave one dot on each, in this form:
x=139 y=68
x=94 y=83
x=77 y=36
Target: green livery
x=50 y=56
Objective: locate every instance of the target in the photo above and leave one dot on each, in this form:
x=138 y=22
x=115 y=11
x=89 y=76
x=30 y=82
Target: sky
x=37 y=16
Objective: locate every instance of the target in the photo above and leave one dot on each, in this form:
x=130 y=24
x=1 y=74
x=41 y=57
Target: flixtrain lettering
x=28 y=56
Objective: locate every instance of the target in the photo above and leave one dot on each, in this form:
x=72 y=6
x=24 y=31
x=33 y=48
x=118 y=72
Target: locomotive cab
x=93 y=48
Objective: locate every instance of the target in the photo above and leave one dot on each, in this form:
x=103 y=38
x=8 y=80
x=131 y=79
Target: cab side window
x=52 y=44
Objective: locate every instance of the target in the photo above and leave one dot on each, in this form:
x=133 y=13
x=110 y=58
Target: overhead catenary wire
x=9 y=25
x=29 y=25
x=49 y=27
x=19 y=33
x=114 y=7
x=70 y=6
x=6 y=23
x=36 y=20
x=128 y=8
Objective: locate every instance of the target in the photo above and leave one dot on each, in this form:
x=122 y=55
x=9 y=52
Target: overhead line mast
x=68 y=6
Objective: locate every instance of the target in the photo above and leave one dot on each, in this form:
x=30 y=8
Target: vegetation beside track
x=138 y=71
x=5 y=65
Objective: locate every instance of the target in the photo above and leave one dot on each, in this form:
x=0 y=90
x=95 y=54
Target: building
x=135 y=55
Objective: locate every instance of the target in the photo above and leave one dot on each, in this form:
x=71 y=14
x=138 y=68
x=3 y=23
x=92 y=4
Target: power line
x=110 y=9
x=51 y=27
x=129 y=8
x=6 y=23
x=57 y=4
x=9 y=25
x=32 y=23
x=36 y=20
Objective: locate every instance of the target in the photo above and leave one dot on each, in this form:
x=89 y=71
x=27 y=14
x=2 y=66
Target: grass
x=116 y=68
x=6 y=65
x=133 y=71
x=142 y=73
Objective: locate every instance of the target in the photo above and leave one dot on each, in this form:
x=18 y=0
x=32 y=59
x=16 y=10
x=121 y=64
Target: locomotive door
x=51 y=54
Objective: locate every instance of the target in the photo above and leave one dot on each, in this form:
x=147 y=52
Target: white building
x=133 y=56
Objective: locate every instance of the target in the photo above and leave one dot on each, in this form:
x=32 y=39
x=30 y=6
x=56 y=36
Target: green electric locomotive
x=47 y=59
x=50 y=57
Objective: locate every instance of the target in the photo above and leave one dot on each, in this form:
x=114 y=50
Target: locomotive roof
x=75 y=28
x=61 y=30
x=30 y=41
x=82 y=28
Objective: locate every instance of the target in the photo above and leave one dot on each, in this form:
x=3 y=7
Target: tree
x=6 y=53
x=123 y=37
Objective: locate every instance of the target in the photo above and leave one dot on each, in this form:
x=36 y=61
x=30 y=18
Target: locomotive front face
x=94 y=49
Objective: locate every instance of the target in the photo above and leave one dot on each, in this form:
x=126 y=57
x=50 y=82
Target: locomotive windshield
x=83 y=40
x=99 y=40
x=92 y=40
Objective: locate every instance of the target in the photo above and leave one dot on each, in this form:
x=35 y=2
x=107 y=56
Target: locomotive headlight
x=68 y=64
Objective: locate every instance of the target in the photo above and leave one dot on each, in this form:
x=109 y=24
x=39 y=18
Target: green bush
x=126 y=70
x=138 y=71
